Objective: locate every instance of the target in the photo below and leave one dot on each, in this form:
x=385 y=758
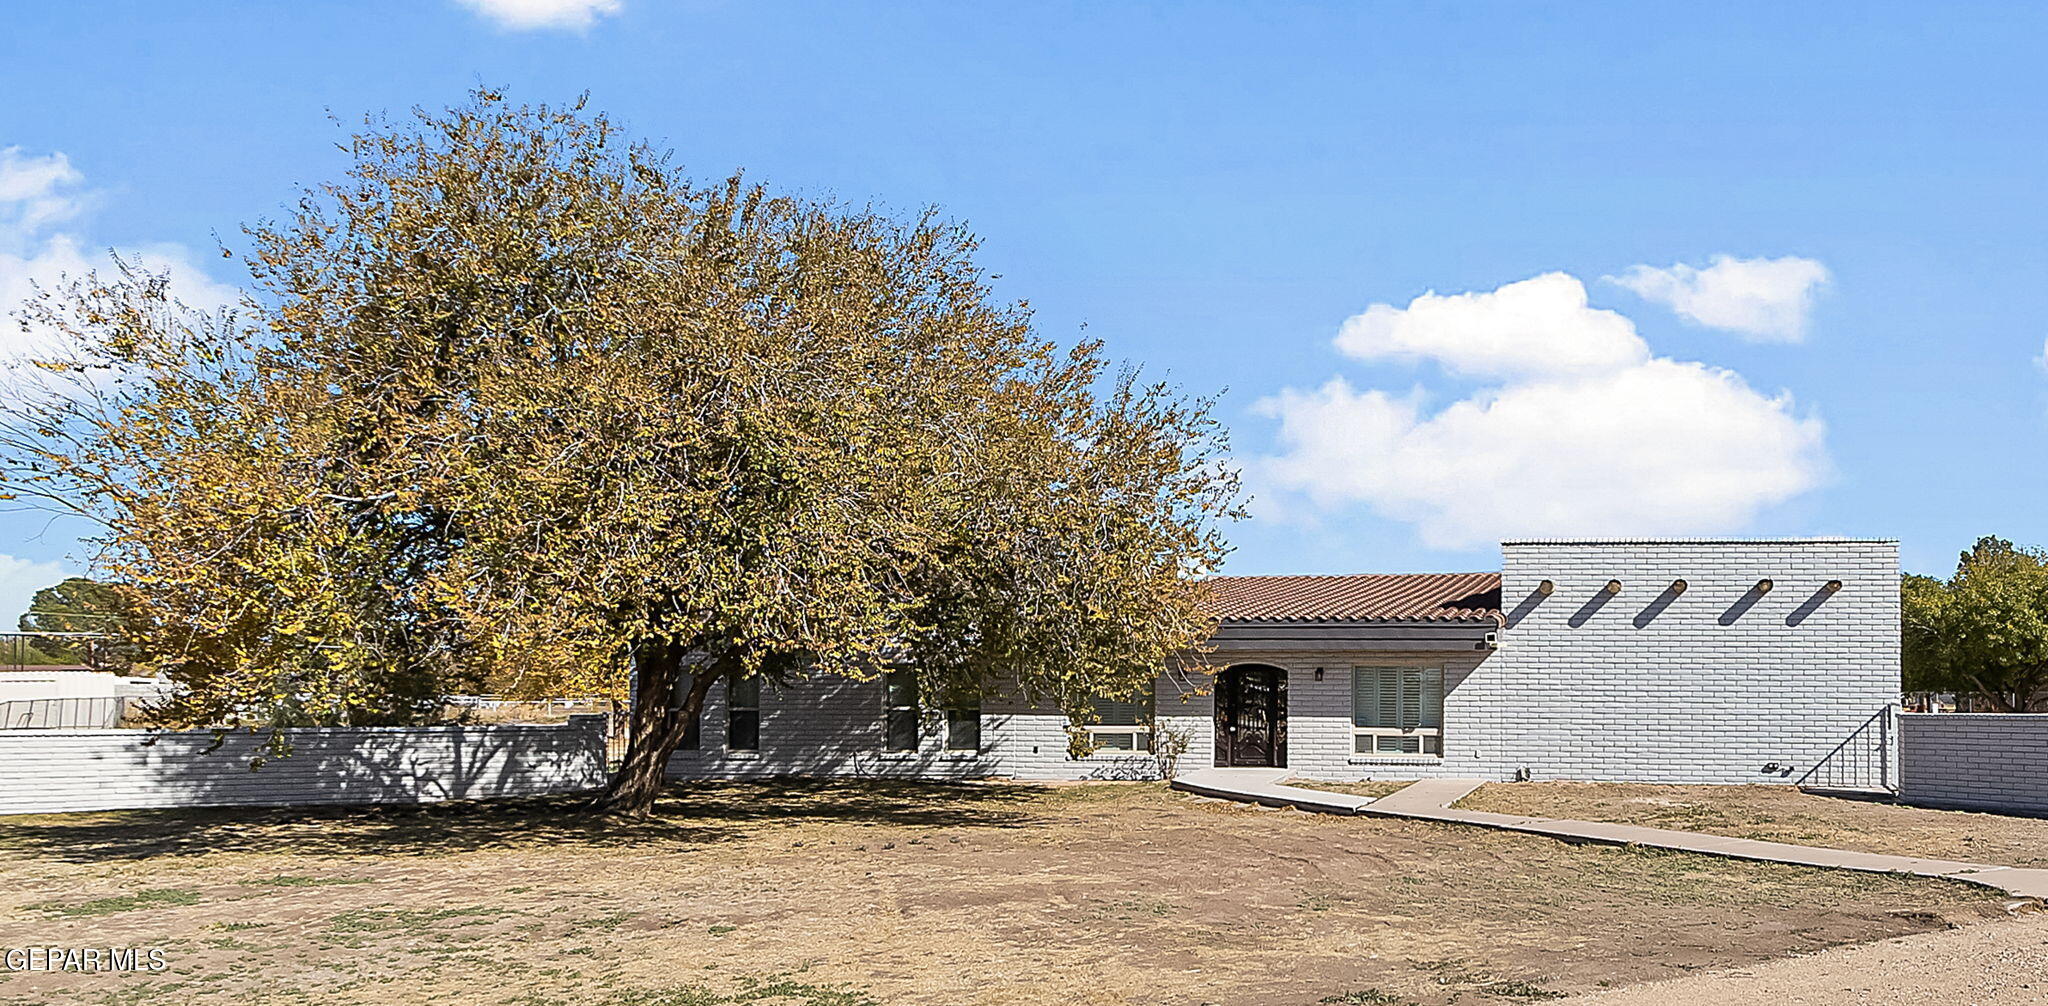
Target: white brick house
x=1628 y=660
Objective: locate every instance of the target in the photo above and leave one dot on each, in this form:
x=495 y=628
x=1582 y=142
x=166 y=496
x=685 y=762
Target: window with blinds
x=1121 y=726
x=1397 y=710
x=899 y=711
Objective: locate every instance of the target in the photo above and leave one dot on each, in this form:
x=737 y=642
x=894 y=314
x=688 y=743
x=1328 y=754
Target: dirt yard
x=867 y=894
x=1781 y=814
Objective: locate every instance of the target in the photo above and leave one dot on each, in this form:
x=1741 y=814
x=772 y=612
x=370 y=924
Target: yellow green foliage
x=515 y=397
x=1984 y=631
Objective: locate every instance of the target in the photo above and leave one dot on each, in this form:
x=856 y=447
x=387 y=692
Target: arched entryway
x=1251 y=716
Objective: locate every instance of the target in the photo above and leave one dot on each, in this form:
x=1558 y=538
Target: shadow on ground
x=687 y=814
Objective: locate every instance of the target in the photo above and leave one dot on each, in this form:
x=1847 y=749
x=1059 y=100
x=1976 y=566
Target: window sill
x=740 y=755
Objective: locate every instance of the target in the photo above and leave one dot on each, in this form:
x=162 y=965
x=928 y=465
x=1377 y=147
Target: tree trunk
x=2024 y=690
x=1999 y=703
x=658 y=726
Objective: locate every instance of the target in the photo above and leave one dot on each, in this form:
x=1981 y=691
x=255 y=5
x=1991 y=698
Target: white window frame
x=1428 y=741
x=1140 y=734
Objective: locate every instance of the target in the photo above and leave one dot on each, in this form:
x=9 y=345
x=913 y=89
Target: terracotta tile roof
x=1369 y=597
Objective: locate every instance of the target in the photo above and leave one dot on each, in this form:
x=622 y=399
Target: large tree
x=83 y=621
x=517 y=401
x=1984 y=631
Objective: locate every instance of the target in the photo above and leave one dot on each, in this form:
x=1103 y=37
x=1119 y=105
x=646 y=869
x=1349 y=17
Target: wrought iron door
x=1251 y=716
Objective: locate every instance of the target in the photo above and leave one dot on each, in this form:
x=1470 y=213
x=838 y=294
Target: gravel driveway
x=1988 y=964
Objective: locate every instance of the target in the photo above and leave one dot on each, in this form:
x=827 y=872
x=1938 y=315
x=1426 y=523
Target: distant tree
x=1983 y=631
x=517 y=399
x=82 y=605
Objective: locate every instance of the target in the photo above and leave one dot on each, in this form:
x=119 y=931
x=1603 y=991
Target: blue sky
x=1215 y=189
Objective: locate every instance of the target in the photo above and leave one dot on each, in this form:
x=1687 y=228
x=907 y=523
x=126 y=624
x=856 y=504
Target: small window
x=1397 y=710
x=1121 y=725
x=963 y=728
x=683 y=686
x=743 y=714
x=899 y=698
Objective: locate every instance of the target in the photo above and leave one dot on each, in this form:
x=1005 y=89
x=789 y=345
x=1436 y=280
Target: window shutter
x=1365 y=697
x=1432 y=697
x=1113 y=713
x=1410 y=698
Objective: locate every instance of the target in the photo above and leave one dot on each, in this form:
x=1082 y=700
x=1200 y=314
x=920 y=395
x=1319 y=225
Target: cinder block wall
x=1709 y=686
x=43 y=771
x=1977 y=761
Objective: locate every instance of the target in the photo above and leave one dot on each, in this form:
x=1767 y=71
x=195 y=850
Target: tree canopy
x=77 y=605
x=1984 y=631
x=516 y=398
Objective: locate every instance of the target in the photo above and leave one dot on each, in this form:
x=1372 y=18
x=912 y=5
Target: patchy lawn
x=1781 y=814
x=865 y=894
x=1373 y=788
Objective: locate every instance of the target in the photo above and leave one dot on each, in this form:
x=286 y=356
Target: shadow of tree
x=688 y=814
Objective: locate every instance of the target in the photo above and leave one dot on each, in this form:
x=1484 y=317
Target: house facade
x=1680 y=661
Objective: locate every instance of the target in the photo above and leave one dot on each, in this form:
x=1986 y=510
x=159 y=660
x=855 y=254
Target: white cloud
x=1616 y=443
x=37 y=193
x=1536 y=326
x=19 y=581
x=528 y=14
x=1763 y=299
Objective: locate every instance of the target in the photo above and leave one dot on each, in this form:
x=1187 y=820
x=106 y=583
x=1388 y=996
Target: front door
x=1251 y=716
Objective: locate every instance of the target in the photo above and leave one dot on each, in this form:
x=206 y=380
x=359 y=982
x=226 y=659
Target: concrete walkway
x=1431 y=800
x=1264 y=786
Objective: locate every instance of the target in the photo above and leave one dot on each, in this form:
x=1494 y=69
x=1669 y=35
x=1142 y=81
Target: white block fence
x=44 y=771
x=1975 y=761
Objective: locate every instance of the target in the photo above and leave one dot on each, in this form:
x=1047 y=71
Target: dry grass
x=1782 y=814
x=867 y=894
x=1372 y=788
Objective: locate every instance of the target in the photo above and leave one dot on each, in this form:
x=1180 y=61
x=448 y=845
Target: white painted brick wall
x=44 y=771
x=1978 y=761
x=826 y=726
x=1695 y=692
x=833 y=726
x=1703 y=690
